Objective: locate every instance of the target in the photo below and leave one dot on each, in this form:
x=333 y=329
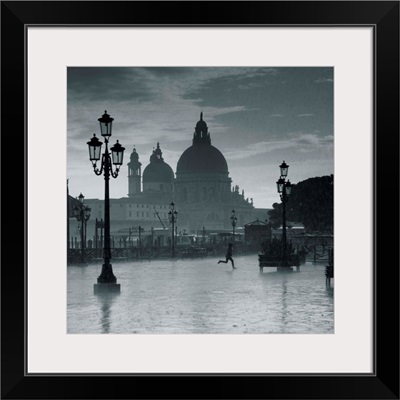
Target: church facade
x=201 y=190
x=203 y=186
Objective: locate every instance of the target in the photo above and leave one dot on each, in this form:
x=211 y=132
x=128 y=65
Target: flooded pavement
x=198 y=296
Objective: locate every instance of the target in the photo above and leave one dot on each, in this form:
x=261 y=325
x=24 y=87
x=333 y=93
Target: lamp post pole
x=107 y=280
x=284 y=241
x=172 y=216
x=81 y=219
x=129 y=237
x=86 y=216
x=68 y=211
x=284 y=189
x=233 y=221
x=152 y=241
x=83 y=216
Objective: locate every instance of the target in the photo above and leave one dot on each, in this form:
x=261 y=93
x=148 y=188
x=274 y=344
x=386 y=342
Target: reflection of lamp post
x=152 y=238
x=107 y=279
x=82 y=217
x=233 y=222
x=130 y=234
x=140 y=240
x=284 y=189
x=172 y=216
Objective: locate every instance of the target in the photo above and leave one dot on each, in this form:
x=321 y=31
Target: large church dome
x=202 y=157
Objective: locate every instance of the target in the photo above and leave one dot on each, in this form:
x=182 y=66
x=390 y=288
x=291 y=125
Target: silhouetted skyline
x=257 y=117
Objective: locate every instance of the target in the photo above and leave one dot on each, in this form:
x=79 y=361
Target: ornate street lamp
x=83 y=215
x=284 y=189
x=107 y=280
x=172 y=216
x=284 y=169
x=233 y=222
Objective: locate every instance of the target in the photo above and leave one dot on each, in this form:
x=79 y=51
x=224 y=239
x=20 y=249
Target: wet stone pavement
x=183 y=296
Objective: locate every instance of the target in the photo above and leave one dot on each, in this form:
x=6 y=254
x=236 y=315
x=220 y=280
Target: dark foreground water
x=198 y=296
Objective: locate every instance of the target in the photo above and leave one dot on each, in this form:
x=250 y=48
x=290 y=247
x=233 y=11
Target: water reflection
x=197 y=296
x=106 y=301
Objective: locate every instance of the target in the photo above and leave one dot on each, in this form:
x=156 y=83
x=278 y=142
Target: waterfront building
x=202 y=191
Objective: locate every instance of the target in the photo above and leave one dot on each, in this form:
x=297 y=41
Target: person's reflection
x=329 y=291
x=106 y=300
x=284 y=303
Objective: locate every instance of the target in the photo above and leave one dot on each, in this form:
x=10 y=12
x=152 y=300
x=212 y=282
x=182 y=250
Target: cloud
x=305 y=143
x=147 y=104
x=305 y=115
x=141 y=100
x=313 y=139
x=324 y=80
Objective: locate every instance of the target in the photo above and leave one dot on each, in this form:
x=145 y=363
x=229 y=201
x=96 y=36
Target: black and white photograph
x=201 y=191
x=200 y=200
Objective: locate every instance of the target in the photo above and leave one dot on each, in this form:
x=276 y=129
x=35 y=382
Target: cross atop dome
x=201 y=134
x=157 y=154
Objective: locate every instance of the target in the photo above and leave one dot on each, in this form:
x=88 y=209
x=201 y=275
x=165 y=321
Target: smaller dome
x=158 y=170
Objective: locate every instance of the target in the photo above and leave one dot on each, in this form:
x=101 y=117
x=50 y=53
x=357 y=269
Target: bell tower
x=134 y=174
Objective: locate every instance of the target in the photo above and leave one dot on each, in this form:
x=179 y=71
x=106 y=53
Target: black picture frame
x=383 y=383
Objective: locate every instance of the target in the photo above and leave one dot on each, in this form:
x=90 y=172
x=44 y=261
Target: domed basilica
x=203 y=186
x=202 y=190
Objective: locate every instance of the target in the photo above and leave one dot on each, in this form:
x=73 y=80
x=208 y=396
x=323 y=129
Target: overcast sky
x=257 y=117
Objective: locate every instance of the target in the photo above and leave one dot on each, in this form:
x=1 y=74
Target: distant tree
x=310 y=203
x=275 y=215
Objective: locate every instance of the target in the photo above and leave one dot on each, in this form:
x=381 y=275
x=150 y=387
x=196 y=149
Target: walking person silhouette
x=228 y=256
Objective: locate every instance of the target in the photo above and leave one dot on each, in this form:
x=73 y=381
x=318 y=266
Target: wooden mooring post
x=329 y=269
